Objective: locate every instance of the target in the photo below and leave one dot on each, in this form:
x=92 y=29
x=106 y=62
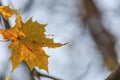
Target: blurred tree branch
x=115 y=75
x=103 y=38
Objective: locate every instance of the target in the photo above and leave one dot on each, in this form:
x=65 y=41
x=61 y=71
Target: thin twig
x=38 y=75
x=35 y=73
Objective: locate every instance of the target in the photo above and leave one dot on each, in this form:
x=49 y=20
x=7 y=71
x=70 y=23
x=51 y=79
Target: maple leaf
x=6 y=11
x=28 y=40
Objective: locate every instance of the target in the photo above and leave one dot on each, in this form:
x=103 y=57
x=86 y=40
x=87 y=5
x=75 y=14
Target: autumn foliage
x=27 y=41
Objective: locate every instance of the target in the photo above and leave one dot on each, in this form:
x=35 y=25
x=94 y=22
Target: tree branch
x=115 y=75
x=103 y=38
x=38 y=75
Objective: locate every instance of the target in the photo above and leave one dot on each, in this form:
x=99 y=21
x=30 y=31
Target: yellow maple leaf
x=28 y=40
x=6 y=11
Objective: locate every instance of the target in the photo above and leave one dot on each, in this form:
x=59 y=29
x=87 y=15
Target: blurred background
x=91 y=28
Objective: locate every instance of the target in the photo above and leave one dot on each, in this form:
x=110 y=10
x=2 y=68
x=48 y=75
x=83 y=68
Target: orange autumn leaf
x=28 y=40
x=6 y=11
